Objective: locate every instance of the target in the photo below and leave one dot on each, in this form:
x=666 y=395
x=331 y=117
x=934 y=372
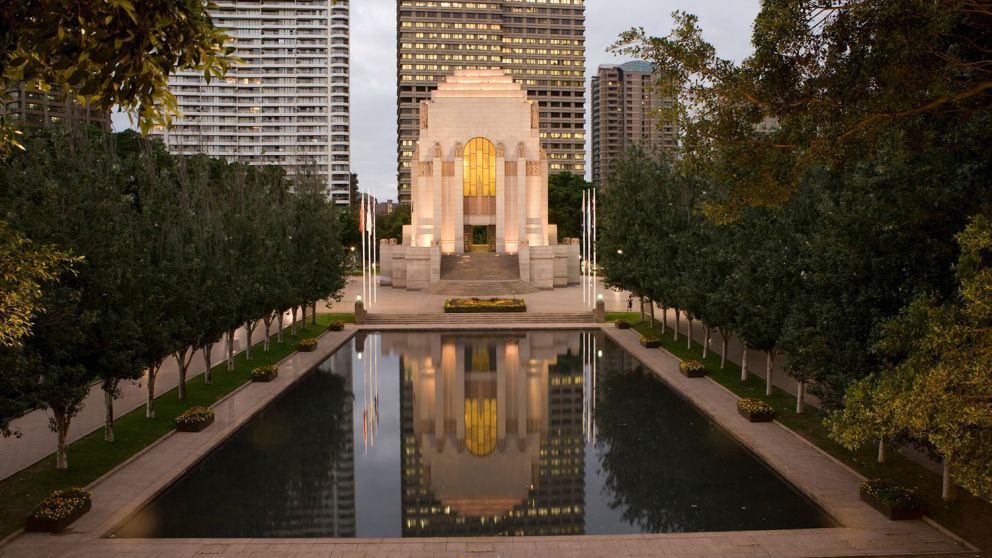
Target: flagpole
x=594 y=285
x=375 y=248
x=582 y=257
x=361 y=231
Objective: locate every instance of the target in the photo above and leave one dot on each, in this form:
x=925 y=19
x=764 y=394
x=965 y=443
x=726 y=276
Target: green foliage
x=24 y=267
x=118 y=52
x=890 y=494
x=565 y=203
x=195 y=415
x=264 y=373
x=936 y=387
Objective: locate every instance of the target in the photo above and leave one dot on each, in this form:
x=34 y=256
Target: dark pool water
x=468 y=434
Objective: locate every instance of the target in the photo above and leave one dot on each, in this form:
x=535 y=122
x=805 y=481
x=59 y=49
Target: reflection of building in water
x=492 y=434
x=338 y=517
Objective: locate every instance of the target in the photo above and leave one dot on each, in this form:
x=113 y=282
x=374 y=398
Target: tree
x=936 y=386
x=111 y=53
x=565 y=203
x=24 y=267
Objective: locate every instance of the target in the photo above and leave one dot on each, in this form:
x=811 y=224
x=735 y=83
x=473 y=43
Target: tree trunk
x=303 y=314
x=183 y=363
x=769 y=364
x=208 y=373
x=948 y=489
x=109 y=394
x=664 y=319
x=706 y=340
x=744 y=364
x=688 y=332
x=249 y=328
x=801 y=398
x=676 y=329
x=882 y=453
x=651 y=308
x=150 y=401
x=230 y=350
x=279 y=332
x=292 y=328
x=641 y=298
x=267 y=322
x=61 y=420
x=724 y=337
x=313 y=312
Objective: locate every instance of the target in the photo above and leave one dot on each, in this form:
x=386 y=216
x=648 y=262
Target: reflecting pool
x=430 y=434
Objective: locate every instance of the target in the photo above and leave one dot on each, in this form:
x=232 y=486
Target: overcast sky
x=726 y=24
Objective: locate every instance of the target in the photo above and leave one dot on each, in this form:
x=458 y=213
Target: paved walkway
x=37 y=441
x=863 y=531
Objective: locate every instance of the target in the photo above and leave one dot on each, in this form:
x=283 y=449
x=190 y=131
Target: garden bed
x=307 y=345
x=692 y=369
x=472 y=305
x=264 y=373
x=892 y=501
x=195 y=419
x=59 y=510
x=755 y=410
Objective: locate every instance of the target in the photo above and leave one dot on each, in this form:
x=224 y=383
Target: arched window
x=480 y=168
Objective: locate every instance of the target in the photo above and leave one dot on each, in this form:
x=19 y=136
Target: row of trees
x=174 y=255
x=830 y=199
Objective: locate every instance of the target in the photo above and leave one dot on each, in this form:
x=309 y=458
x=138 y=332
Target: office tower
x=540 y=43
x=28 y=106
x=624 y=105
x=287 y=104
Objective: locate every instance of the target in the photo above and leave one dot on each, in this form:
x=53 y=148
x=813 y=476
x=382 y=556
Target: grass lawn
x=91 y=457
x=969 y=517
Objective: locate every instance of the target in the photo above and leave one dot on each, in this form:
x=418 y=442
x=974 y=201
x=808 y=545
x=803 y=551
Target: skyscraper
x=623 y=114
x=287 y=104
x=540 y=43
x=23 y=105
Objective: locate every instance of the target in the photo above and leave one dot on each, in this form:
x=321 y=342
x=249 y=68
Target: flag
x=361 y=216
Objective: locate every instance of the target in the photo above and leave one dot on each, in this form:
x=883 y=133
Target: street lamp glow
x=619 y=251
x=599 y=296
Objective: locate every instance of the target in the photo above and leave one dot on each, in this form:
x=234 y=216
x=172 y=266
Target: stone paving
x=861 y=531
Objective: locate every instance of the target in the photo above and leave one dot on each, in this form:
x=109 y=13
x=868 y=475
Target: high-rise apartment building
x=287 y=104
x=28 y=106
x=624 y=105
x=541 y=43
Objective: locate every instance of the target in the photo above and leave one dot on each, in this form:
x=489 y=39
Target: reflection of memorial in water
x=492 y=434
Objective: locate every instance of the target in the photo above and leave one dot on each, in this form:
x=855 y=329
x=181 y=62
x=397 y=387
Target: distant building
x=540 y=43
x=287 y=104
x=385 y=208
x=24 y=105
x=623 y=107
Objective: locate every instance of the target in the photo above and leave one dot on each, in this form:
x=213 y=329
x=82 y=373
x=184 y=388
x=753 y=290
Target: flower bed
x=650 y=342
x=895 y=502
x=755 y=410
x=195 y=419
x=622 y=324
x=61 y=508
x=264 y=373
x=336 y=325
x=470 y=305
x=692 y=369
x=307 y=345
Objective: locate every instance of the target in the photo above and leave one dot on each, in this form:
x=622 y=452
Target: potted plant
x=58 y=510
x=895 y=502
x=264 y=373
x=650 y=342
x=692 y=369
x=195 y=419
x=622 y=324
x=475 y=304
x=755 y=410
x=307 y=345
x=336 y=325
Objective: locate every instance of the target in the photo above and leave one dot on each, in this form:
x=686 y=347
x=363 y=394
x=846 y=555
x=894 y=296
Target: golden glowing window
x=480 y=426
x=480 y=168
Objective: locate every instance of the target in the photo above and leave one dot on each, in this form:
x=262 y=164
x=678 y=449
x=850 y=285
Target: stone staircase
x=508 y=287
x=487 y=318
x=479 y=266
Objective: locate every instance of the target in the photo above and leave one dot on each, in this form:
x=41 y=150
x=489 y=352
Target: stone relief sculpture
x=425 y=168
x=423 y=115
x=459 y=150
x=542 y=154
x=535 y=116
x=533 y=168
x=437 y=150
x=500 y=150
x=521 y=151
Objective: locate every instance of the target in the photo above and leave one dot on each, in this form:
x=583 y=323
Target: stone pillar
x=599 y=314
x=560 y=267
x=359 y=312
x=501 y=192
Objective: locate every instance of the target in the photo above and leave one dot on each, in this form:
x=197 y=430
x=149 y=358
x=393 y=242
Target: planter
x=756 y=417
x=693 y=373
x=45 y=525
x=896 y=513
x=194 y=426
x=483 y=305
x=264 y=378
x=622 y=325
x=335 y=326
x=265 y=373
x=651 y=343
x=890 y=500
x=306 y=348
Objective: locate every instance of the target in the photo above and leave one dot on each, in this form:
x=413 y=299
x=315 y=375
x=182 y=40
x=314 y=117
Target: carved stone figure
x=437 y=150
x=500 y=150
